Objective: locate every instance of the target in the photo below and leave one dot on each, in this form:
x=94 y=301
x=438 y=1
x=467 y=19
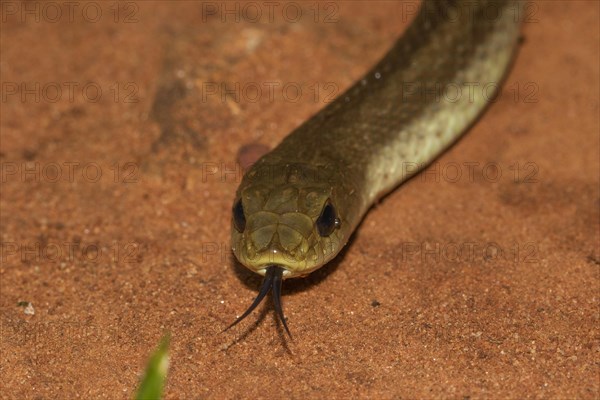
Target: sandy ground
x=120 y=132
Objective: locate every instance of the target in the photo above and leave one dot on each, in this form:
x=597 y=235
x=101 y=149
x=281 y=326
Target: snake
x=298 y=205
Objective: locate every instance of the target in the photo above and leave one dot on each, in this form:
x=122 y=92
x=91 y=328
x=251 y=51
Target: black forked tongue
x=273 y=279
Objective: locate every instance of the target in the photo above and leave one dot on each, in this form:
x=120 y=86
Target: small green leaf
x=152 y=384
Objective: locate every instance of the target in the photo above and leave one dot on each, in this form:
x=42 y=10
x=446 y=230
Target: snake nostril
x=250 y=249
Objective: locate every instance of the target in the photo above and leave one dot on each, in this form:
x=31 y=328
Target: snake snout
x=288 y=233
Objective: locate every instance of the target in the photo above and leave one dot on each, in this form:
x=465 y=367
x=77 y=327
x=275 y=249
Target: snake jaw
x=272 y=281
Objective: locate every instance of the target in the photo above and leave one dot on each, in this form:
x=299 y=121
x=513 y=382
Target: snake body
x=297 y=206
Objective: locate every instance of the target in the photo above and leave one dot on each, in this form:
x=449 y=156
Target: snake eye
x=328 y=220
x=239 y=219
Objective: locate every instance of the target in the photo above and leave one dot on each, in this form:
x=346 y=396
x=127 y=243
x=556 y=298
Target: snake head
x=290 y=215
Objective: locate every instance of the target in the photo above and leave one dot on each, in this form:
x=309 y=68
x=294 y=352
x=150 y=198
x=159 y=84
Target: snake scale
x=297 y=206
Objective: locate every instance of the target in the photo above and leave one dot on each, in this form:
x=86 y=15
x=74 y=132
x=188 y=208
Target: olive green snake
x=298 y=205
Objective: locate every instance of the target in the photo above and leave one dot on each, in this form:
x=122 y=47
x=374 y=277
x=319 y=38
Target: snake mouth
x=272 y=281
x=285 y=273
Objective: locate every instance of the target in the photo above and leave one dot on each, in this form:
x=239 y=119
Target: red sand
x=476 y=286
